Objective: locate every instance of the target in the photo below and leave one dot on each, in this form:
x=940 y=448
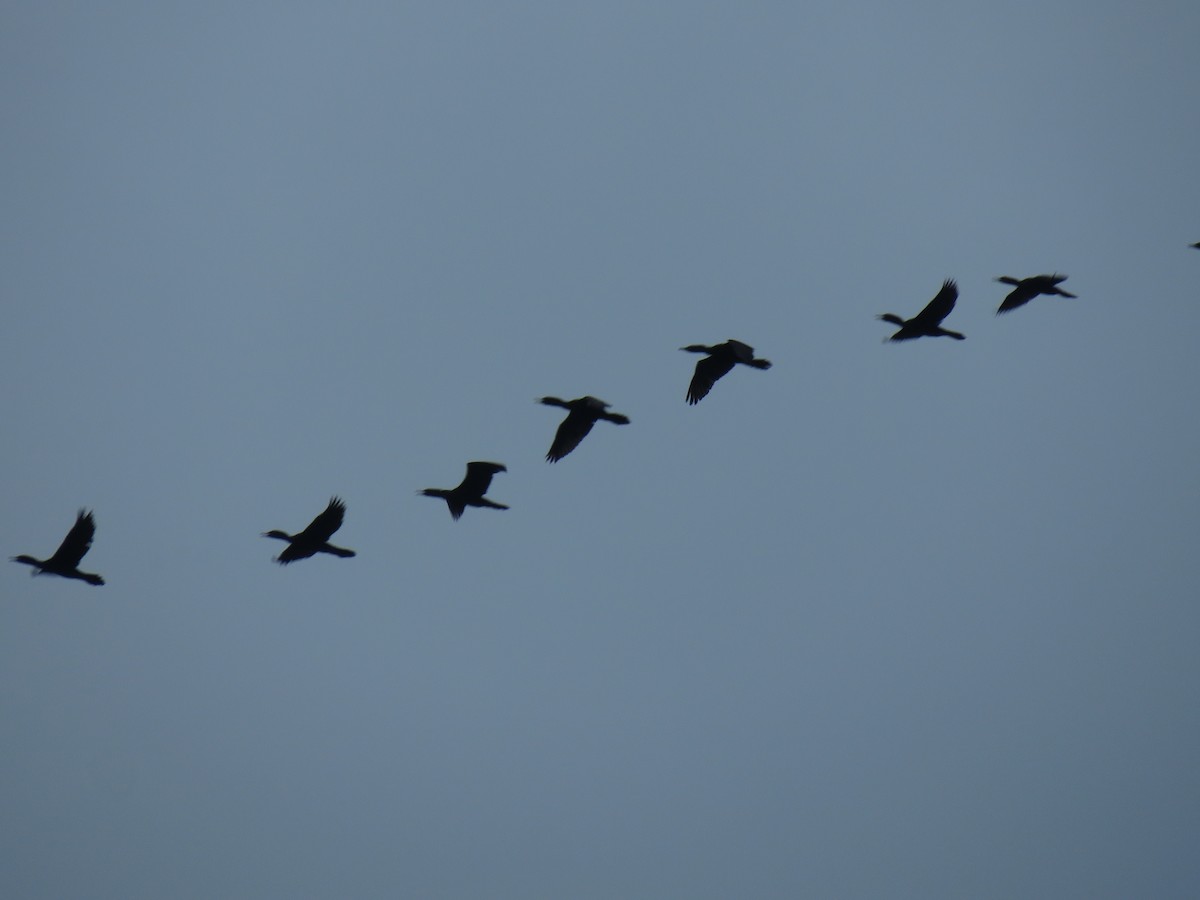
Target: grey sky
x=884 y=621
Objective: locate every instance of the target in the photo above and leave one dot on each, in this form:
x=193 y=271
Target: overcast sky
x=887 y=620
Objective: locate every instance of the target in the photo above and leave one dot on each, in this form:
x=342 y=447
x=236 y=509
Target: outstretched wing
x=1020 y=295
x=939 y=307
x=479 y=477
x=708 y=371
x=574 y=428
x=75 y=544
x=321 y=528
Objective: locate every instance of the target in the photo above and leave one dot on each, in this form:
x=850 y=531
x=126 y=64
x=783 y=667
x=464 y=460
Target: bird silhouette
x=1028 y=288
x=315 y=538
x=584 y=412
x=928 y=322
x=65 y=561
x=720 y=360
x=470 y=490
x=1196 y=245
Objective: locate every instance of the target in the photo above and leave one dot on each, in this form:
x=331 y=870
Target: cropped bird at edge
x=470 y=490
x=928 y=322
x=1027 y=288
x=584 y=413
x=66 y=559
x=315 y=538
x=720 y=360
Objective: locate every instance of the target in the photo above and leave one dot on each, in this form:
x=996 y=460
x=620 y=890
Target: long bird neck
x=281 y=535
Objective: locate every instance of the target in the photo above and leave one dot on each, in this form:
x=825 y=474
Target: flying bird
x=721 y=358
x=584 y=412
x=1028 y=288
x=65 y=561
x=470 y=490
x=315 y=538
x=928 y=322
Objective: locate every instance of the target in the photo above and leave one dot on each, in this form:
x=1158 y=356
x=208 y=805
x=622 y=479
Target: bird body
x=720 y=360
x=928 y=322
x=66 y=559
x=470 y=490
x=1027 y=288
x=584 y=413
x=315 y=538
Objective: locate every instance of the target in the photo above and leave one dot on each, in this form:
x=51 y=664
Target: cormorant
x=314 y=538
x=584 y=411
x=471 y=490
x=721 y=358
x=1028 y=288
x=928 y=322
x=65 y=561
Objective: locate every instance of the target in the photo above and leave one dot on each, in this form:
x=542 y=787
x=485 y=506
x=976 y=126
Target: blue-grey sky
x=885 y=621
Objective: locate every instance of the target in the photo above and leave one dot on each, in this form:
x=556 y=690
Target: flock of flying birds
x=583 y=413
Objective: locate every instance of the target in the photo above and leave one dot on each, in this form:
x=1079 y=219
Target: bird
x=315 y=538
x=1196 y=245
x=470 y=490
x=1028 y=288
x=928 y=322
x=721 y=358
x=65 y=561
x=584 y=411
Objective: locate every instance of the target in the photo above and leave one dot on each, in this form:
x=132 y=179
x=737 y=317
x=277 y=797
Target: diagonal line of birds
x=582 y=413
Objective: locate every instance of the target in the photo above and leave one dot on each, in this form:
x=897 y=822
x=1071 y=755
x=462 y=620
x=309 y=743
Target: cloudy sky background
x=885 y=621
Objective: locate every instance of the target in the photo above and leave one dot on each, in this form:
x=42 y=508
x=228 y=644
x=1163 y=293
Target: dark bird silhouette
x=584 y=412
x=315 y=538
x=928 y=322
x=470 y=490
x=65 y=561
x=1196 y=245
x=1028 y=288
x=721 y=358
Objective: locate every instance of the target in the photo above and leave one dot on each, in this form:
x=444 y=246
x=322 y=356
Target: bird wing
x=939 y=307
x=708 y=370
x=321 y=528
x=76 y=543
x=574 y=428
x=479 y=477
x=1020 y=295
